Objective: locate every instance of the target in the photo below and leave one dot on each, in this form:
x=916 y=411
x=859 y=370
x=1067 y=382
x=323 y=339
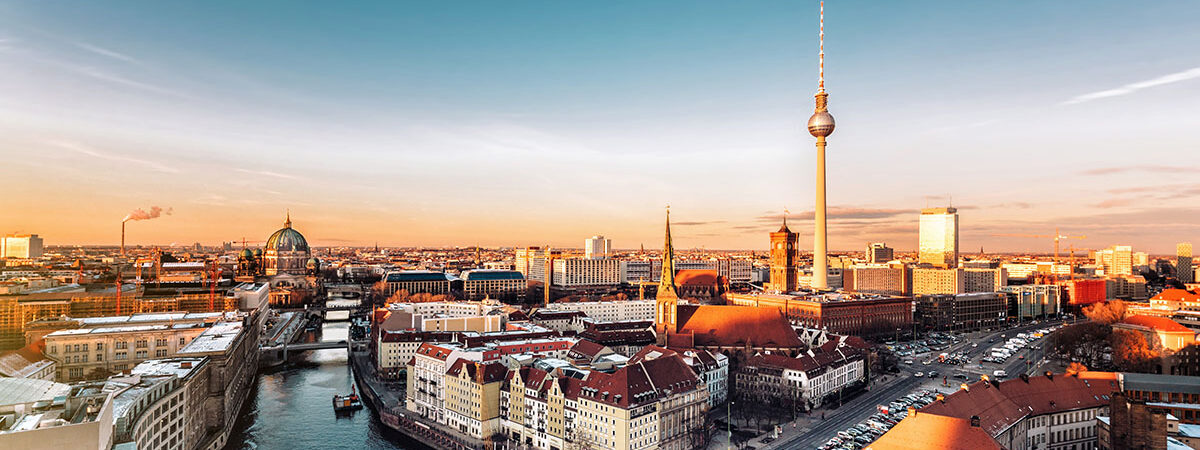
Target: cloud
x=1140 y=168
x=840 y=213
x=696 y=223
x=86 y=150
x=267 y=173
x=1116 y=202
x=106 y=52
x=1134 y=87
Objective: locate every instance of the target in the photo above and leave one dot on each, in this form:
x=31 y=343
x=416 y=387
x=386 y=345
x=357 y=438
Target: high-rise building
x=1183 y=262
x=784 y=259
x=938 y=237
x=879 y=253
x=23 y=246
x=531 y=262
x=1116 y=260
x=597 y=247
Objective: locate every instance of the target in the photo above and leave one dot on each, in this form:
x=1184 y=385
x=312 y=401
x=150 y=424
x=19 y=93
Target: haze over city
x=485 y=123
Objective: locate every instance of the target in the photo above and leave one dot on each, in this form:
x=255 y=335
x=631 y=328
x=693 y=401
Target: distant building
x=961 y=312
x=531 y=261
x=1116 y=260
x=1032 y=301
x=1126 y=287
x=68 y=417
x=879 y=253
x=616 y=311
x=94 y=353
x=417 y=281
x=839 y=313
x=21 y=246
x=1086 y=291
x=486 y=282
x=597 y=247
x=928 y=281
x=286 y=251
x=1183 y=263
x=580 y=273
x=938 y=244
x=884 y=279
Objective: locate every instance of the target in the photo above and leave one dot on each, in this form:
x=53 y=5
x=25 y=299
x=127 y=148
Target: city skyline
x=559 y=123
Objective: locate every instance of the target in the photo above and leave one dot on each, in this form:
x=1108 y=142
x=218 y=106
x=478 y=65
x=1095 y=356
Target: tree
x=1086 y=342
x=1107 y=313
x=400 y=296
x=1131 y=352
x=1075 y=368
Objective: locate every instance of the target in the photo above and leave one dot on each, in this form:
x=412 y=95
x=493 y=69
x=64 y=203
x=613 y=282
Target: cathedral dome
x=287 y=239
x=313 y=264
x=246 y=254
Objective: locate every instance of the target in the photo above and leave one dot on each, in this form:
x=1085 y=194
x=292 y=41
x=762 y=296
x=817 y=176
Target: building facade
x=961 y=312
x=879 y=253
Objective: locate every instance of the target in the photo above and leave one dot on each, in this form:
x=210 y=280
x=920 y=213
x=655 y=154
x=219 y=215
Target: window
x=142 y=343
x=122 y=345
x=99 y=357
x=99 y=346
x=53 y=349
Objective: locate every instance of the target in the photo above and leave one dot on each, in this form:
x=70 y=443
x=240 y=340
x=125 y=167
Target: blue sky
x=515 y=123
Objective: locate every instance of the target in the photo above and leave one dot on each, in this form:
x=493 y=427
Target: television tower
x=820 y=125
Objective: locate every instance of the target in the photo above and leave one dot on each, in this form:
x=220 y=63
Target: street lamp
x=729 y=424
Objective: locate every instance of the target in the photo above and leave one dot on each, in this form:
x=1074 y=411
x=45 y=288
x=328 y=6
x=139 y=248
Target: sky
x=527 y=123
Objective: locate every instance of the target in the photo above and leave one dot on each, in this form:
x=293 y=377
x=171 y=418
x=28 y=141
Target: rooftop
x=26 y=390
x=218 y=338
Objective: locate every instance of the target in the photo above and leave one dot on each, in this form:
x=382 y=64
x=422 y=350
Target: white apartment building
x=597 y=247
x=160 y=404
x=619 y=311
x=736 y=270
x=576 y=272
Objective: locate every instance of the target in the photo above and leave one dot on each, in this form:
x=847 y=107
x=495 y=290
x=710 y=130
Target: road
x=812 y=432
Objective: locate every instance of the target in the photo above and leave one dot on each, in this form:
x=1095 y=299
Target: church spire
x=666 y=285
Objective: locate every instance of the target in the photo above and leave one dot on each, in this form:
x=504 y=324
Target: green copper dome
x=287 y=239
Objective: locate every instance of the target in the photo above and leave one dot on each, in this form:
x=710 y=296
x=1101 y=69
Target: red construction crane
x=1057 y=236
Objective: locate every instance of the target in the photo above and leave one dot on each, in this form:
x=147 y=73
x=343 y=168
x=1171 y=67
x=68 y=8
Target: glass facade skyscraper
x=938 y=237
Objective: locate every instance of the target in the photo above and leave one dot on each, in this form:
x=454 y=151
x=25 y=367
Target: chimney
x=122 y=238
x=975 y=421
x=912 y=411
x=1025 y=378
x=1050 y=375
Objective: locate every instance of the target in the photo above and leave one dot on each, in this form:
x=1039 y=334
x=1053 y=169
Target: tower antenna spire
x=821 y=85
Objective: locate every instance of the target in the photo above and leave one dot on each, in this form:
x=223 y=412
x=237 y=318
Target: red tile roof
x=433 y=350
x=934 y=432
x=1157 y=323
x=640 y=383
x=585 y=349
x=737 y=326
x=1177 y=295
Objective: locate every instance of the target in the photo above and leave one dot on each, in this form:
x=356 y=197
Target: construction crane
x=1057 y=236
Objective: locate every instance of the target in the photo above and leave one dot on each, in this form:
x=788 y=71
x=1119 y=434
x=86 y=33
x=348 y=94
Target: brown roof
x=14 y=361
x=737 y=326
x=999 y=405
x=585 y=349
x=934 y=432
x=640 y=383
x=479 y=372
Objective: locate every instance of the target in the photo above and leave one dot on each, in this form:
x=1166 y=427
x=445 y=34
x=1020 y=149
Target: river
x=290 y=406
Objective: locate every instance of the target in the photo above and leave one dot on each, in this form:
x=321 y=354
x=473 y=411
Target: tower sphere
x=820 y=124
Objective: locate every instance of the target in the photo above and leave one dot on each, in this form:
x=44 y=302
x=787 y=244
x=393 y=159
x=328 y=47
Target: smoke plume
x=141 y=214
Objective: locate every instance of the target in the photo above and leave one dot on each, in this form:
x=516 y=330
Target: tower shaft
x=820 y=256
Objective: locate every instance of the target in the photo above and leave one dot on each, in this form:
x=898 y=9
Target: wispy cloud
x=93 y=152
x=840 y=213
x=267 y=173
x=1141 y=168
x=109 y=53
x=696 y=223
x=1134 y=87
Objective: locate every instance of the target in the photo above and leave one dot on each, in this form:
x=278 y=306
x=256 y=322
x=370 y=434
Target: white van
x=999 y=373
